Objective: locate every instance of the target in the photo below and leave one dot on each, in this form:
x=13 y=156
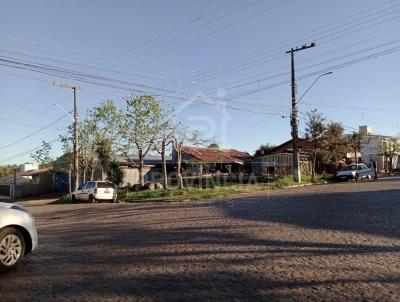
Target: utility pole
x=14 y=190
x=76 y=169
x=75 y=137
x=293 y=116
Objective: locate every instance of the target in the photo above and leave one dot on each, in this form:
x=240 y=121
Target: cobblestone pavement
x=338 y=242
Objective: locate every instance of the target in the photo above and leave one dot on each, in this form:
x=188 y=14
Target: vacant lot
x=329 y=242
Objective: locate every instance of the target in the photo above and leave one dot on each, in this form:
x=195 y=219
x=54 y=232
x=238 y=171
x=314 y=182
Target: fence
x=23 y=190
x=5 y=191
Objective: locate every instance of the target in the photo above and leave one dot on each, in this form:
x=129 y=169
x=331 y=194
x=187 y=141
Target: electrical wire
x=34 y=133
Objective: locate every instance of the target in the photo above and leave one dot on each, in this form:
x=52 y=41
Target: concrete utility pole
x=75 y=128
x=293 y=116
x=14 y=190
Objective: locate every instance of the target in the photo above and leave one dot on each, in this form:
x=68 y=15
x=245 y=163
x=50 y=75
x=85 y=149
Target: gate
x=5 y=191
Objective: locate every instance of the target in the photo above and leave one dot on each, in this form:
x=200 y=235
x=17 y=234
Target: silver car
x=355 y=171
x=18 y=235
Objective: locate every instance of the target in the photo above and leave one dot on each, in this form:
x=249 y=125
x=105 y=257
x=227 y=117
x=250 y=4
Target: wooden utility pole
x=293 y=116
x=75 y=136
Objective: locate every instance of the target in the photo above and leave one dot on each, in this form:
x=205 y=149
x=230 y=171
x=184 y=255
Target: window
x=104 y=184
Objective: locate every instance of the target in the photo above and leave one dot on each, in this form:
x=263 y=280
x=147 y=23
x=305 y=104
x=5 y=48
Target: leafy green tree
x=315 y=133
x=264 y=149
x=103 y=123
x=115 y=173
x=144 y=122
x=334 y=144
x=103 y=126
x=42 y=155
x=65 y=162
x=107 y=122
x=355 y=142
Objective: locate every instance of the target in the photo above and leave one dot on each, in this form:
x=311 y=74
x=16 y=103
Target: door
x=363 y=171
x=87 y=190
x=81 y=193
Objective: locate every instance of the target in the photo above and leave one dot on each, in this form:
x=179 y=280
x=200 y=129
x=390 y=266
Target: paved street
x=336 y=242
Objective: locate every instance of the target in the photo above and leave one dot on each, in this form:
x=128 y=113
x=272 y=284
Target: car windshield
x=103 y=184
x=350 y=168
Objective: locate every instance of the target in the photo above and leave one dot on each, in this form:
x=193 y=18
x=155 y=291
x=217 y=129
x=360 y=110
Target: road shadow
x=374 y=212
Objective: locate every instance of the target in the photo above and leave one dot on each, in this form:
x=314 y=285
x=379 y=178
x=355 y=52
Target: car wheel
x=356 y=177
x=92 y=199
x=12 y=248
x=73 y=198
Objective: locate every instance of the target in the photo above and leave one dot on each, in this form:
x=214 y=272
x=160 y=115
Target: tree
x=6 y=170
x=86 y=148
x=103 y=125
x=390 y=148
x=115 y=174
x=144 y=122
x=314 y=132
x=108 y=124
x=167 y=136
x=103 y=151
x=334 y=143
x=65 y=162
x=42 y=155
x=181 y=137
x=355 y=142
x=264 y=149
x=213 y=146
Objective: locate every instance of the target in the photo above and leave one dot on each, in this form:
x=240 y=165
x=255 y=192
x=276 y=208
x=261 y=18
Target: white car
x=94 y=191
x=18 y=235
x=355 y=171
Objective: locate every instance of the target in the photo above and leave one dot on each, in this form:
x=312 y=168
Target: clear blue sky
x=206 y=50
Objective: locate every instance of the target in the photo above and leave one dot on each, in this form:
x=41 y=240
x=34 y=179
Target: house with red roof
x=197 y=161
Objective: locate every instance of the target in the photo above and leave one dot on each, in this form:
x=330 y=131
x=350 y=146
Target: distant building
x=152 y=169
x=28 y=167
x=373 y=146
x=198 y=161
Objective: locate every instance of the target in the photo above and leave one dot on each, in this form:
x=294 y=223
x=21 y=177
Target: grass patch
x=192 y=193
x=215 y=192
x=179 y=195
x=66 y=199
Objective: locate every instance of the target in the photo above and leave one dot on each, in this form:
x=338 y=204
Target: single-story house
x=152 y=169
x=279 y=161
x=198 y=161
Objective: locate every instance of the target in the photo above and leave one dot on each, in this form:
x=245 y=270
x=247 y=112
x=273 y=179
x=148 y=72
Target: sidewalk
x=37 y=200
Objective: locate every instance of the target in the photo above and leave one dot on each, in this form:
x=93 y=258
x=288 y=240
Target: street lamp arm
x=313 y=83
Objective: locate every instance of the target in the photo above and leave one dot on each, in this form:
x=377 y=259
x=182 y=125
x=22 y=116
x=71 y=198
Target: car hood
x=6 y=205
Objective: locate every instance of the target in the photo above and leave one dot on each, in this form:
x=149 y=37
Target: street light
x=294 y=124
x=65 y=111
x=313 y=83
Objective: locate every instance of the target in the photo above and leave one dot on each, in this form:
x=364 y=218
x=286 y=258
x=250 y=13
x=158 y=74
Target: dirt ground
x=337 y=242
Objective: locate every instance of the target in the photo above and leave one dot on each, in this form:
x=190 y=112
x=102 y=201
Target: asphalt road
x=338 y=242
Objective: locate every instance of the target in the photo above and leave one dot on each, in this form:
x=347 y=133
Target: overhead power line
x=26 y=152
x=34 y=133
